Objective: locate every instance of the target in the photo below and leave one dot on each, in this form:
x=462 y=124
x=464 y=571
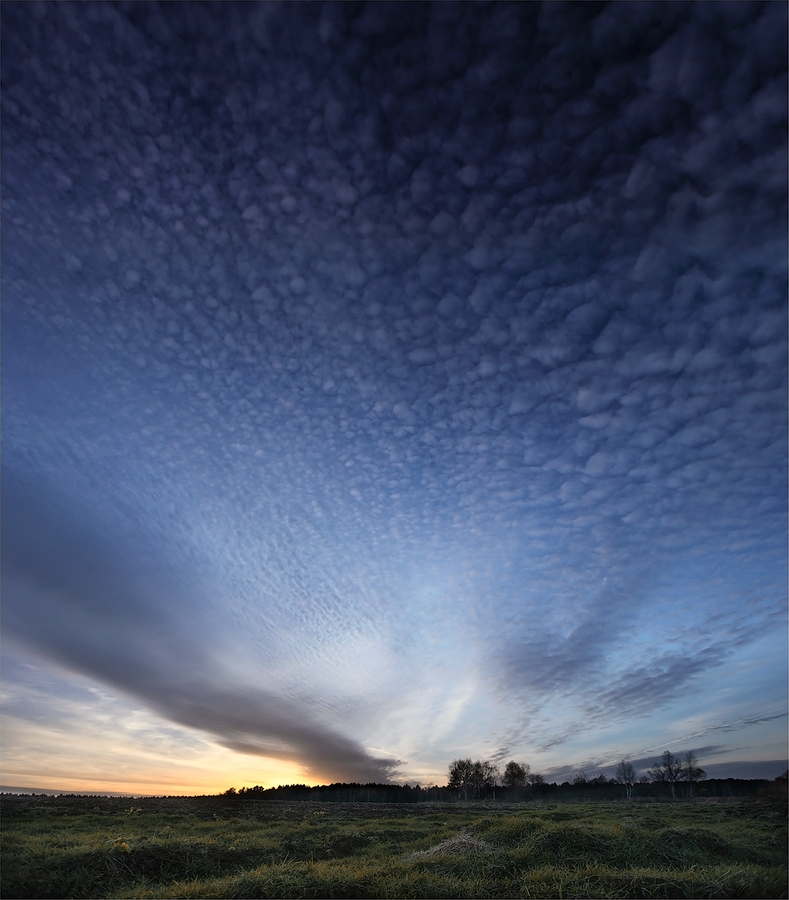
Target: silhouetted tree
x=476 y=777
x=691 y=771
x=461 y=775
x=515 y=774
x=485 y=775
x=667 y=771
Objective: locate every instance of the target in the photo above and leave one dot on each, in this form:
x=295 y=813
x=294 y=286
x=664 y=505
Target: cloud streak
x=125 y=636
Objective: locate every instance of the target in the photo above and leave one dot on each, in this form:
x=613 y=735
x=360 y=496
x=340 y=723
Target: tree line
x=479 y=779
x=352 y=792
x=476 y=780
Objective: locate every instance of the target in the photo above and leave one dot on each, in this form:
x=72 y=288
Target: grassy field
x=213 y=847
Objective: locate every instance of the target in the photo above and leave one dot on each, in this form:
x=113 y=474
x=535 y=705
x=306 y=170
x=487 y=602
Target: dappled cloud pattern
x=350 y=351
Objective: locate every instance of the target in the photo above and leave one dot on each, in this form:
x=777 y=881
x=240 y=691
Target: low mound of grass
x=463 y=843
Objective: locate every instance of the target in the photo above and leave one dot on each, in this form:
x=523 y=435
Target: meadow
x=91 y=847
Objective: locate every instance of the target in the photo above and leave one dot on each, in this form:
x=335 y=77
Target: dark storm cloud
x=414 y=283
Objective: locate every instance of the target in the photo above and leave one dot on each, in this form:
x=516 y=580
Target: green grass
x=192 y=848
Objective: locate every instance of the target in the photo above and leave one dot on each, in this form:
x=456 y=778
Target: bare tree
x=626 y=775
x=667 y=771
x=691 y=771
x=535 y=779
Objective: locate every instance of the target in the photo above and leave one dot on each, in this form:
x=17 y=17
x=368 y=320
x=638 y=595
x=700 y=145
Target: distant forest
x=481 y=781
x=394 y=793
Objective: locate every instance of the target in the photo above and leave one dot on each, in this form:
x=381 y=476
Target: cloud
x=745 y=722
x=122 y=631
x=331 y=296
x=650 y=686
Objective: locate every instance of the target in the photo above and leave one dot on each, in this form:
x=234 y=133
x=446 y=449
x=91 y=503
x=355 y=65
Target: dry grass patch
x=460 y=844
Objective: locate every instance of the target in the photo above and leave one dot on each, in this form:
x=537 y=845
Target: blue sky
x=384 y=384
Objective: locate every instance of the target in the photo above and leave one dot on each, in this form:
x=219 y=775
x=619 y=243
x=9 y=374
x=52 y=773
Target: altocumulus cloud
x=310 y=308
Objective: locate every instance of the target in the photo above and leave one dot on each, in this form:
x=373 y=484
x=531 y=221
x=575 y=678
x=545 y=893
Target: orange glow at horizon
x=164 y=784
x=131 y=751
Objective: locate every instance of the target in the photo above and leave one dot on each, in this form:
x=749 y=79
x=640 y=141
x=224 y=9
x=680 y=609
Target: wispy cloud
x=725 y=727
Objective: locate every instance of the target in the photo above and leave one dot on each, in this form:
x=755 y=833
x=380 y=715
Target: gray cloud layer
x=140 y=631
x=322 y=295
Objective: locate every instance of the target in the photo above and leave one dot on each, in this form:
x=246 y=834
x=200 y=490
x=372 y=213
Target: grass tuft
x=463 y=843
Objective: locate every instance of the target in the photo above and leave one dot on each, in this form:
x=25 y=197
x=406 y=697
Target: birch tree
x=691 y=771
x=626 y=775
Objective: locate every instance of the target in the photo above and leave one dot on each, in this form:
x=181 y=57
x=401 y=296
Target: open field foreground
x=211 y=847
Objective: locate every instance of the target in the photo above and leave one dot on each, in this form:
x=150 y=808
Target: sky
x=385 y=384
